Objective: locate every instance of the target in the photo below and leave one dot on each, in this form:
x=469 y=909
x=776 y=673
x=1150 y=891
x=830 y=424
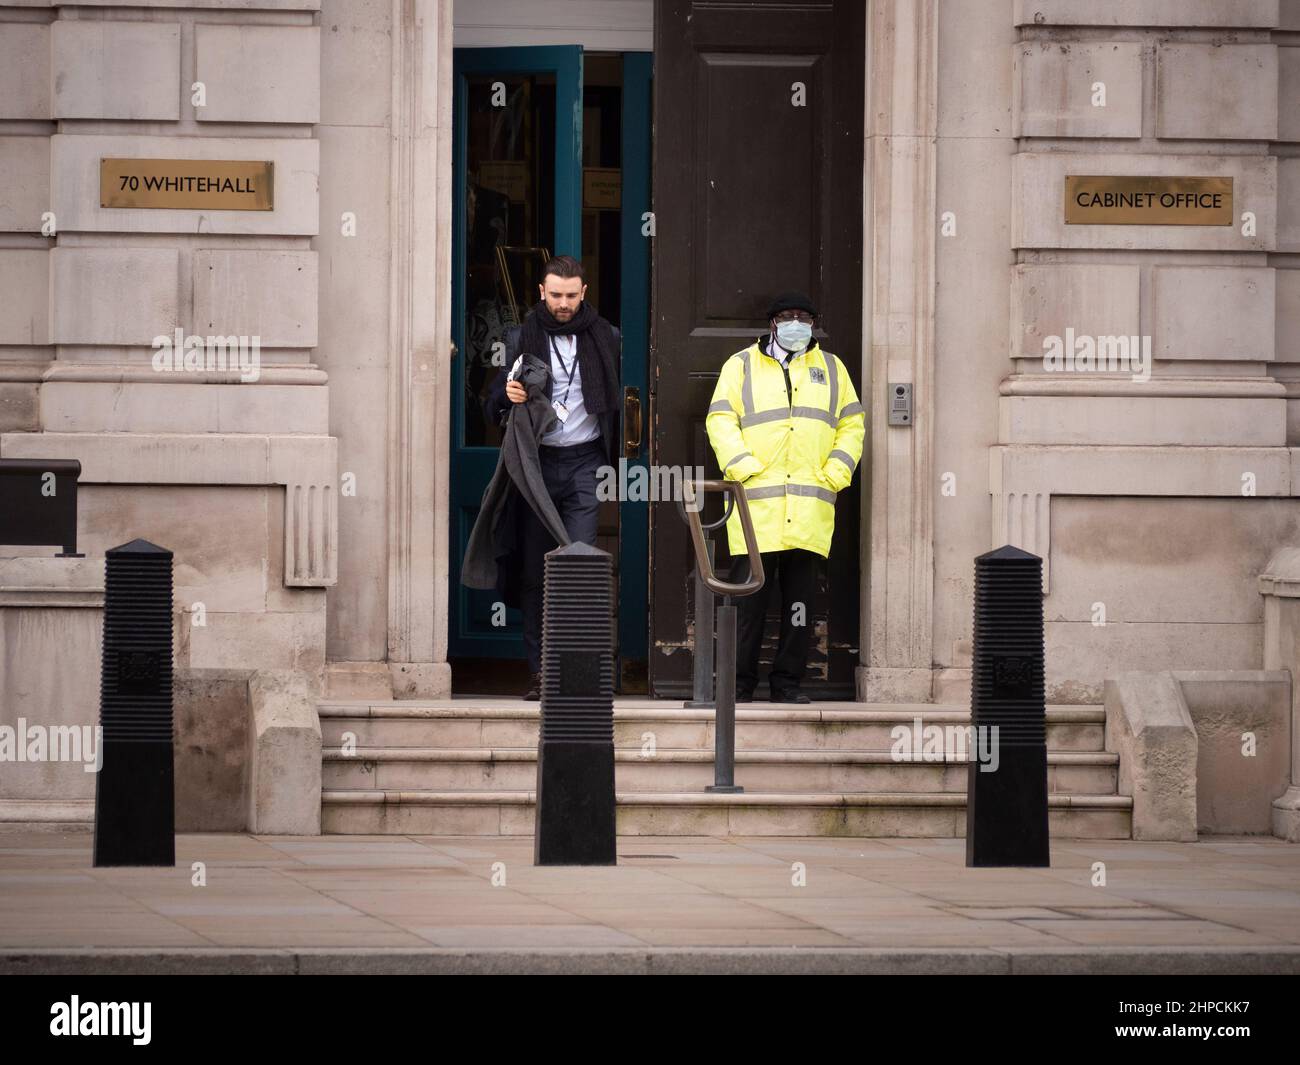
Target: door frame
x=898 y=321
x=634 y=316
x=697 y=317
x=565 y=62
x=900 y=234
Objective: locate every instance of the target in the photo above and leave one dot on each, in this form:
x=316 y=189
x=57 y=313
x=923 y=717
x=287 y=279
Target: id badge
x=561 y=411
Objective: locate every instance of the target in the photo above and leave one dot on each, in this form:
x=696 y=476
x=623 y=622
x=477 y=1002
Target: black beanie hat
x=791 y=301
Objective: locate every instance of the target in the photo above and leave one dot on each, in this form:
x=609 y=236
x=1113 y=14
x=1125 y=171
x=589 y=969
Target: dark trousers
x=570 y=477
x=795 y=571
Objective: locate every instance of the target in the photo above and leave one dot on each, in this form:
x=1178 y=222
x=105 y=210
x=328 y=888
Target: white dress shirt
x=779 y=353
x=581 y=425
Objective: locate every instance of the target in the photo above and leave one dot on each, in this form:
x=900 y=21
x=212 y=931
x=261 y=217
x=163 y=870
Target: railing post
x=724 y=718
x=703 y=650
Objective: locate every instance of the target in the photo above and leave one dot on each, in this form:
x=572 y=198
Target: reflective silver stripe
x=720 y=405
x=747 y=385
x=833 y=370
x=811 y=490
x=851 y=408
x=780 y=414
x=843 y=456
x=732 y=462
x=813 y=412
x=772 y=491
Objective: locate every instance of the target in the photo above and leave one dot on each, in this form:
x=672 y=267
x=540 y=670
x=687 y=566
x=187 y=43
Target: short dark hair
x=564 y=266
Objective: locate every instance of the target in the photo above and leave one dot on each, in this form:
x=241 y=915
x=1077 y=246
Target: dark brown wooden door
x=758 y=141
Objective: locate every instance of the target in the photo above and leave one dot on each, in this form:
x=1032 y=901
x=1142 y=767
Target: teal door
x=522 y=166
x=517 y=196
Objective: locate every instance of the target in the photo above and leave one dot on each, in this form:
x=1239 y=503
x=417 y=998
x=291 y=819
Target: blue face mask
x=793 y=336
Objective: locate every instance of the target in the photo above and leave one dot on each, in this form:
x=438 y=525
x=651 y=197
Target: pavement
x=295 y=904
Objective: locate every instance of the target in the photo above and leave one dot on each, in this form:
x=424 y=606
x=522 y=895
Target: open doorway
x=527 y=186
x=758 y=190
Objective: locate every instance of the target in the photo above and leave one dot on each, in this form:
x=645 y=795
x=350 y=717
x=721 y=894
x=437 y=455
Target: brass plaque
x=1148 y=201
x=187 y=184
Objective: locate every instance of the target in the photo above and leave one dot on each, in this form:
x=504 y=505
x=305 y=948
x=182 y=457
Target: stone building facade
x=309 y=509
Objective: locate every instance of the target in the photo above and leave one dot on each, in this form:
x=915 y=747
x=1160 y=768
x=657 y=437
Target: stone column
x=420 y=348
x=1280 y=586
x=899 y=221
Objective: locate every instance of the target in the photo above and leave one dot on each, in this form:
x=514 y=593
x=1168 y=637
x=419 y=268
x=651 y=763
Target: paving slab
x=671 y=904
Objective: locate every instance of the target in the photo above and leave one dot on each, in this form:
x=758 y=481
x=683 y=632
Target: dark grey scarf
x=597 y=351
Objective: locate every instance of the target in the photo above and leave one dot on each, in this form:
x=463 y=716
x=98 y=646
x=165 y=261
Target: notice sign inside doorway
x=1148 y=201
x=187 y=184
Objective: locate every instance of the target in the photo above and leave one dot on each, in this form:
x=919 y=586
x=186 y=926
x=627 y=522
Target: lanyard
x=569 y=372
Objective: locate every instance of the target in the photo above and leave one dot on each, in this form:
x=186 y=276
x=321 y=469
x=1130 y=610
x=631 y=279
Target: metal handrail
x=724 y=719
x=709 y=527
x=702 y=657
x=736 y=493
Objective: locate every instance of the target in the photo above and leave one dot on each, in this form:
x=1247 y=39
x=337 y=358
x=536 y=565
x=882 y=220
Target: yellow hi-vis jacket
x=793 y=450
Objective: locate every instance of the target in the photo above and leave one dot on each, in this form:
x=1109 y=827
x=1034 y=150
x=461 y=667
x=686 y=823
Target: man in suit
x=583 y=350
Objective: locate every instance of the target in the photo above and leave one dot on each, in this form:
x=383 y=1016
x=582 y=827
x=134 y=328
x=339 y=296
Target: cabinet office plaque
x=1148 y=201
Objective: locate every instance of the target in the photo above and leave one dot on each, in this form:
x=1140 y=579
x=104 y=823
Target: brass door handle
x=631 y=422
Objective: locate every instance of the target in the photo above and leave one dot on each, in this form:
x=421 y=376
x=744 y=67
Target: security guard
x=786 y=422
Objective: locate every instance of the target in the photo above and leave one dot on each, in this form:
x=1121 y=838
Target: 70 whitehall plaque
x=1148 y=201
x=187 y=184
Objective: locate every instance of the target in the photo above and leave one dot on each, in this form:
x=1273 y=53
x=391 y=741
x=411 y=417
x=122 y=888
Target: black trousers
x=570 y=477
x=795 y=572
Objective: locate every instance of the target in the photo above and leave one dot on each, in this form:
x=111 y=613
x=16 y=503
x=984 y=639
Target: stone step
x=753 y=813
x=494 y=769
x=505 y=723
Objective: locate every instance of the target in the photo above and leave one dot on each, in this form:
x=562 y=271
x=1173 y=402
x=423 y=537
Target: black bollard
x=1006 y=809
x=135 y=792
x=575 y=752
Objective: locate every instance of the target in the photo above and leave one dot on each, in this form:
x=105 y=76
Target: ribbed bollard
x=135 y=788
x=575 y=752
x=1006 y=809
